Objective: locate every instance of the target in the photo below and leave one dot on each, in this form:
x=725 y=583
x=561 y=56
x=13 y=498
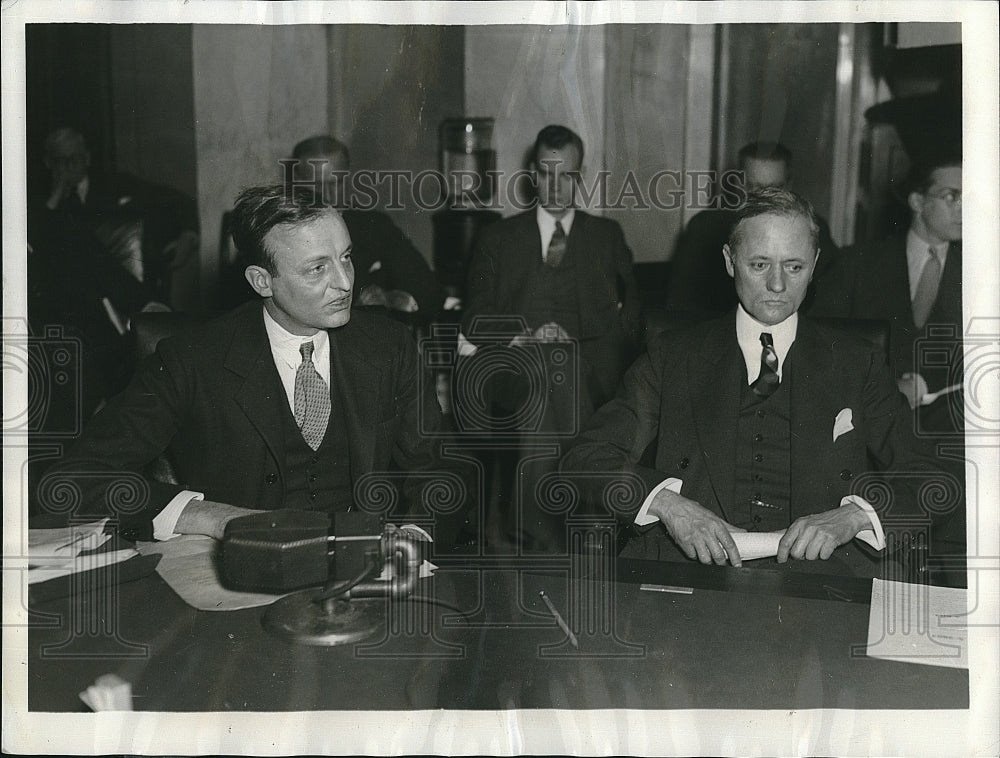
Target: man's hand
x=397 y=300
x=550 y=332
x=209 y=518
x=913 y=386
x=697 y=531
x=818 y=535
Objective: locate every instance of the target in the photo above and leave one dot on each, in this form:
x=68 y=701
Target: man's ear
x=260 y=279
x=727 y=254
x=916 y=202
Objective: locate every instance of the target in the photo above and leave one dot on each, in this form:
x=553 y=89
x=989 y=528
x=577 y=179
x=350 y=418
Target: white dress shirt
x=285 y=352
x=547 y=226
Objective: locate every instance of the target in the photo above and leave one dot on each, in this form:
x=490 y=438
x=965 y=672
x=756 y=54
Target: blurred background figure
x=699 y=282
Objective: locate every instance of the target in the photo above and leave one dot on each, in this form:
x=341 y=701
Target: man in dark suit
x=544 y=282
x=389 y=271
x=285 y=402
x=759 y=421
x=698 y=280
x=914 y=282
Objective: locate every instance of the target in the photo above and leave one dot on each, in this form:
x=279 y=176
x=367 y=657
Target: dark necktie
x=767 y=382
x=927 y=287
x=557 y=247
x=312 y=399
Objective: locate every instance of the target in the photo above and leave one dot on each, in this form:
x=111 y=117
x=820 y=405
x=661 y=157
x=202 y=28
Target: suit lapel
x=897 y=281
x=816 y=400
x=260 y=393
x=359 y=383
x=715 y=375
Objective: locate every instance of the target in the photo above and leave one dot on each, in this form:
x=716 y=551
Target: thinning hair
x=260 y=209
x=66 y=138
x=774 y=201
x=318 y=146
x=556 y=137
x=765 y=151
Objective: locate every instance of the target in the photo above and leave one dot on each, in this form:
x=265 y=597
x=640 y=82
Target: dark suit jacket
x=505 y=256
x=682 y=398
x=212 y=398
x=699 y=282
x=871 y=281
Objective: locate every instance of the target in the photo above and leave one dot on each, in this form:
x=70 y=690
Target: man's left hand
x=818 y=535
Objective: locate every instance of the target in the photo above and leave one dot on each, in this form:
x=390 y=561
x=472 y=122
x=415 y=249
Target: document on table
x=753 y=545
x=190 y=567
x=918 y=623
x=53 y=553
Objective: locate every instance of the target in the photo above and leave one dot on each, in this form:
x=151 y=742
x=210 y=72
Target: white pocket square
x=374 y=267
x=843 y=423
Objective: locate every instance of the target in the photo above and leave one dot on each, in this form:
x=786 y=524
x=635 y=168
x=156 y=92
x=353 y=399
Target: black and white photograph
x=501 y=378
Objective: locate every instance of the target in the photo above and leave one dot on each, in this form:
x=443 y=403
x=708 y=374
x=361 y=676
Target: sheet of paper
x=79 y=563
x=188 y=565
x=754 y=545
x=918 y=623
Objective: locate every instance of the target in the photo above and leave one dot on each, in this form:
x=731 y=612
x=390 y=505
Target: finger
x=827 y=550
x=811 y=550
x=732 y=551
x=785 y=543
x=719 y=556
x=689 y=551
x=704 y=553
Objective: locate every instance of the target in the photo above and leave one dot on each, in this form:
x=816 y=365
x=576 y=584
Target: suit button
x=312 y=495
x=758 y=438
x=312 y=477
x=271 y=478
x=128 y=534
x=761 y=414
x=314 y=460
x=756 y=519
x=758 y=457
x=846 y=475
x=684 y=463
x=758 y=478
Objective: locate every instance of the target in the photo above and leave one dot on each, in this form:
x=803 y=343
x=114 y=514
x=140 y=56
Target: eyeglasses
x=951 y=197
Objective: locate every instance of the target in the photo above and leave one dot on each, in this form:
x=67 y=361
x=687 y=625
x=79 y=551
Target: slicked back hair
x=556 y=137
x=259 y=209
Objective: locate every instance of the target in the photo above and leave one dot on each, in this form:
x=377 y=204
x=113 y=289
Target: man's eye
x=318 y=268
x=794 y=268
x=758 y=266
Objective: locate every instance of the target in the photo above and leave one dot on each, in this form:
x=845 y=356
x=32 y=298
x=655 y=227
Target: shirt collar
x=916 y=249
x=82 y=188
x=285 y=345
x=748 y=331
x=547 y=222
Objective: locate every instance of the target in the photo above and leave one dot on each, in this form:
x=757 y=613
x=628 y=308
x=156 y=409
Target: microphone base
x=300 y=619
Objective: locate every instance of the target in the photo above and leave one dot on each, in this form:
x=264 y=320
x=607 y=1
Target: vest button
x=758 y=457
x=756 y=519
x=684 y=463
x=314 y=460
x=271 y=478
x=312 y=495
x=758 y=438
x=312 y=477
x=761 y=414
x=846 y=475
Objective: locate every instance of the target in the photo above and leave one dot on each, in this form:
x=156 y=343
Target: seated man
x=761 y=420
x=286 y=402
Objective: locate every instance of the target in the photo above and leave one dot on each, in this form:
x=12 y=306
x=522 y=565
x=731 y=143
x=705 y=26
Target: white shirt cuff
x=165 y=521
x=643 y=518
x=874 y=536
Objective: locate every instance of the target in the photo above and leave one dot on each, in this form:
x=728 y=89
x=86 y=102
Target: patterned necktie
x=767 y=382
x=312 y=399
x=557 y=247
x=927 y=287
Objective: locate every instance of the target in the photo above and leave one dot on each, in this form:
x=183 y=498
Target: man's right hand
x=697 y=531
x=209 y=518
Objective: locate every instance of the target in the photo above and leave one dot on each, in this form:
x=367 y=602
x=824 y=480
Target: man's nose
x=776 y=280
x=340 y=278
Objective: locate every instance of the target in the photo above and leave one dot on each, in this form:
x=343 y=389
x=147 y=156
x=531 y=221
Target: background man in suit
x=284 y=402
x=914 y=281
x=698 y=279
x=566 y=278
x=762 y=421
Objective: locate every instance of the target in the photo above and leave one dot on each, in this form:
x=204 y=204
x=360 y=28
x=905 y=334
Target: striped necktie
x=767 y=382
x=312 y=399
